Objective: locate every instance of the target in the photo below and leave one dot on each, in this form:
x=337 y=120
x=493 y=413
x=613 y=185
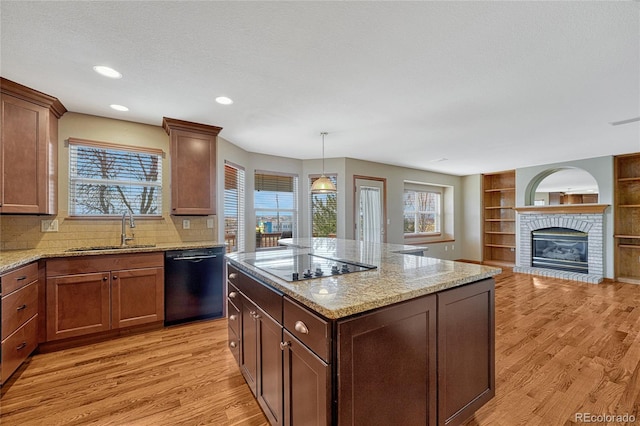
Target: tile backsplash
x=19 y=232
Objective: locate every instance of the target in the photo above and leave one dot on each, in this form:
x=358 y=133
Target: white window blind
x=324 y=210
x=234 y=216
x=276 y=207
x=107 y=179
x=422 y=209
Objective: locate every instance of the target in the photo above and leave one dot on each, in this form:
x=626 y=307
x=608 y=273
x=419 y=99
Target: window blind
x=276 y=207
x=107 y=179
x=324 y=210
x=234 y=212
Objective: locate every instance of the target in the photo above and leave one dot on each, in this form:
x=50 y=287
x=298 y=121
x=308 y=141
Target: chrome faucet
x=132 y=224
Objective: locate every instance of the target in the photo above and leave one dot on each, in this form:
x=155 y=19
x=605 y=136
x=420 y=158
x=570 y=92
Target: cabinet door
x=77 y=305
x=389 y=348
x=466 y=350
x=137 y=297
x=193 y=173
x=307 y=386
x=249 y=343
x=23 y=148
x=269 y=390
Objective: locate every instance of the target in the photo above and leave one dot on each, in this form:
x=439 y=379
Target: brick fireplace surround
x=587 y=218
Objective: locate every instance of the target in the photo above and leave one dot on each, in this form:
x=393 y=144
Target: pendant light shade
x=323 y=184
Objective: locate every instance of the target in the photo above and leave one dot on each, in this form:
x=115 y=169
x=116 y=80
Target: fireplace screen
x=560 y=248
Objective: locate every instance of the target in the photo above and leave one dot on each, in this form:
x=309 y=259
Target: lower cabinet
x=307 y=385
x=387 y=365
x=19 y=315
x=426 y=361
x=92 y=294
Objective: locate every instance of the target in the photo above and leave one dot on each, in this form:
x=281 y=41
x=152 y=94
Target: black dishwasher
x=193 y=284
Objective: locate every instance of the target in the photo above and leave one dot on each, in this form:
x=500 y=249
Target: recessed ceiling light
x=224 y=100
x=107 y=72
x=119 y=107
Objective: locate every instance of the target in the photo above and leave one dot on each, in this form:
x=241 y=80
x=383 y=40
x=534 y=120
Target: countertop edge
x=13 y=259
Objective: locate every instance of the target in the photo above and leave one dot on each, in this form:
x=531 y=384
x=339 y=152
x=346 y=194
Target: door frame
x=384 y=204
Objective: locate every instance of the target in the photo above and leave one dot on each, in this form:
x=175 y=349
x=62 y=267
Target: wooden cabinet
x=499 y=220
x=19 y=333
x=28 y=150
x=193 y=166
x=427 y=361
x=387 y=365
x=92 y=294
x=260 y=354
x=466 y=350
x=627 y=217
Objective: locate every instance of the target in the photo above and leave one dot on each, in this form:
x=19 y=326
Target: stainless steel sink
x=96 y=248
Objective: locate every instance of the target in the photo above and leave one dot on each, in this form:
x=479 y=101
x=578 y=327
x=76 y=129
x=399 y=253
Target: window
x=234 y=234
x=422 y=210
x=276 y=207
x=324 y=210
x=107 y=179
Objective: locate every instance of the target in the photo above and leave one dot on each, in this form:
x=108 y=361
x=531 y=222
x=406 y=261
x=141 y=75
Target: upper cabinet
x=193 y=166
x=28 y=150
x=627 y=217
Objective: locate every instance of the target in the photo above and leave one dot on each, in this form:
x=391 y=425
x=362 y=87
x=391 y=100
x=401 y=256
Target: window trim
x=311 y=177
x=429 y=188
x=119 y=147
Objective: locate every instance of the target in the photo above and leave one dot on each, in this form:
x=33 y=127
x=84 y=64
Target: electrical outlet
x=446 y=248
x=453 y=247
x=49 y=225
x=186 y=224
x=210 y=223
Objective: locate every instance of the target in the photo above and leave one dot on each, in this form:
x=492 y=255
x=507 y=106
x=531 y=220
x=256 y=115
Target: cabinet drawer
x=19 y=278
x=268 y=299
x=234 y=345
x=310 y=329
x=18 y=307
x=18 y=346
x=233 y=316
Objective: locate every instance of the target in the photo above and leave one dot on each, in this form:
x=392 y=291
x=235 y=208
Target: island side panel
x=466 y=350
x=387 y=365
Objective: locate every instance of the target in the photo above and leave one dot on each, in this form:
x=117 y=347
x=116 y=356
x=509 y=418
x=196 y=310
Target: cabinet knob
x=283 y=345
x=233 y=295
x=301 y=327
x=115 y=277
x=21 y=308
x=233 y=344
x=105 y=278
x=233 y=276
x=232 y=317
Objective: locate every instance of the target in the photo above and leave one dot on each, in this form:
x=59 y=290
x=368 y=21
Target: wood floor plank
x=562 y=348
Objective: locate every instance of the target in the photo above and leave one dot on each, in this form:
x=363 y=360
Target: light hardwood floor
x=562 y=348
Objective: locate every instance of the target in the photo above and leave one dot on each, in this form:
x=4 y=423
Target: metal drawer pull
x=232 y=295
x=233 y=344
x=21 y=346
x=20 y=308
x=301 y=327
x=233 y=276
x=232 y=317
x=283 y=345
x=254 y=314
x=22 y=278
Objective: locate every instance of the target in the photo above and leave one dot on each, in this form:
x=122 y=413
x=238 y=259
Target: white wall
x=472 y=217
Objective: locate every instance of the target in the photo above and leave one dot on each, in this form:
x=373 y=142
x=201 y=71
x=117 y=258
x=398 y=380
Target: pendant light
x=323 y=184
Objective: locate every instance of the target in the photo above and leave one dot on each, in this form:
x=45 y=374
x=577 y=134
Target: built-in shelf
x=627 y=217
x=498 y=201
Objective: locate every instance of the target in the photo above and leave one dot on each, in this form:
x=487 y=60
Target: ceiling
x=487 y=86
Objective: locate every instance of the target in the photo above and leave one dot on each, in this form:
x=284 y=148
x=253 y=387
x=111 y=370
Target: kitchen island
x=400 y=339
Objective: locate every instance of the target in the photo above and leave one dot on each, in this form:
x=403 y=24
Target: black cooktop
x=296 y=267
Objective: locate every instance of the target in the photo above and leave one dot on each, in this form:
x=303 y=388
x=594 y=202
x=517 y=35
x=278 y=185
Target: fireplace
x=563 y=249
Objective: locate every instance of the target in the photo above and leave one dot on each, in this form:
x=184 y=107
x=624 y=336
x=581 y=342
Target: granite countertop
x=398 y=276
x=10 y=259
